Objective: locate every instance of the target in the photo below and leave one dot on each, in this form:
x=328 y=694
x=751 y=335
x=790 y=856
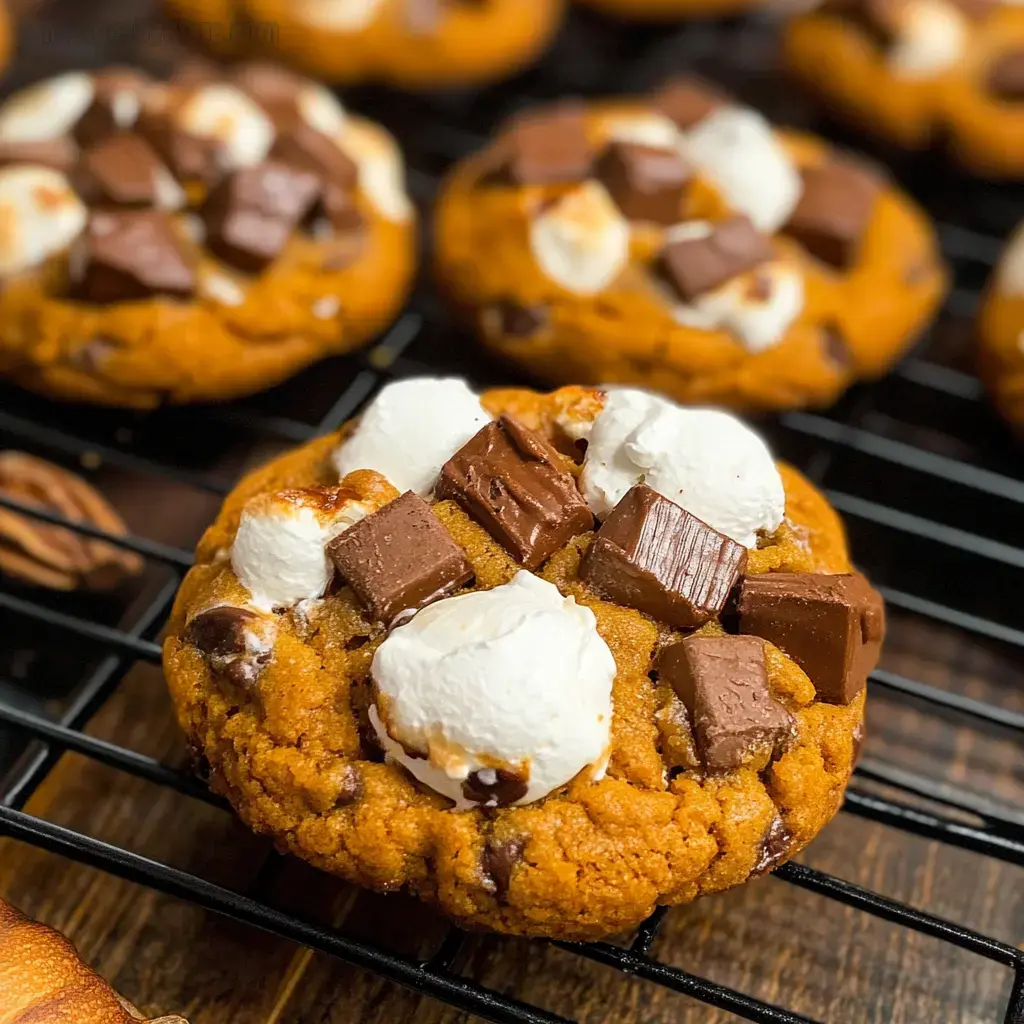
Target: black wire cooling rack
x=931 y=485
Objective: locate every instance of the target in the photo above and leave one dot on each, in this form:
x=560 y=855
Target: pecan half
x=54 y=556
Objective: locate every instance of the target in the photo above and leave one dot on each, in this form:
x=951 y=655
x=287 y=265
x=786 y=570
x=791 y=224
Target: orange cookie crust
x=294 y=755
x=467 y=43
x=852 y=323
x=1000 y=332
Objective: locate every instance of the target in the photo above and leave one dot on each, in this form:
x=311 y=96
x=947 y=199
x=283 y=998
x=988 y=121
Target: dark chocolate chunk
x=549 y=146
x=251 y=215
x=775 y=847
x=302 y=146
x=516 y=321
x=399 y=557
x=511 y=480
x=132 y=254
x=831 y=626
x=688 y=100
x=60 y=153
x=834 y=211
x=723 y=682
x=116 y=104
x=654 y=556
x=229 y=638
x=1006 y=77
x=500 y=858
x=835 y=346
x=494 y=787
x=697 y=265
x=647 y=183
x=125 y=170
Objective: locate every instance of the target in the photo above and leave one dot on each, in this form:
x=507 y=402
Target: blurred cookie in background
x=1001 y=333
x=670 y=10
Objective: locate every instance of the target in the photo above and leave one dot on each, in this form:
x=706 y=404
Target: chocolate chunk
x=515 y=321
x=654 y=556
x=549 y=147
x=116 y=104
x=831 y=626
x=251 y=215
x=302 y=146
x=231 y=640
x=60 y=153
x=1006 y=77
x=834 y=210
x=271 y=86
x=647 y=183
x=697 y=265
x=688 y=100
x=494 y=787
x=511 y=481
x=190 y=158
x=399 y=557
x=723 y=682
x=125 y=170
x=775 y=847
x=499 y=860
x=130 y=255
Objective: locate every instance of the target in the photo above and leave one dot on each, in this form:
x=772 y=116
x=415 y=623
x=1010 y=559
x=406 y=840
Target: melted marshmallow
x=48 y=109
x=1010 y=272
x=932 y=38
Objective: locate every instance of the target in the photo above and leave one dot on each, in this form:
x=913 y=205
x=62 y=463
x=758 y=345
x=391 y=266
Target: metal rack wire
x=952 y=498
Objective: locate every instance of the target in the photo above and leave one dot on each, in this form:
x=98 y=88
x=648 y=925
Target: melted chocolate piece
x=400 y=557
x=515 y=321
x=511 y=481
x=831 y=626
x=549 y=146
x=500 y=858
x=494 y=787
x=221 y=634
x=775 y=847
x=647 y=183
x=115 y=108
x=302 y=146
x=654 y=556
x=688 y=100
x=723 y=682
x=836 y=347
x=190 y=158
x=1005 y=78
x=123 y=170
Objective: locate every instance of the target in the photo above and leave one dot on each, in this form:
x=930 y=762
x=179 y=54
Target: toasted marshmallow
x=582 y=241
x=321 y=109
x=381 y=168
x=40 y=214
x=224 y=113
x=707 y=461
x=641 y=129
x=1010 y=273
x=411 y=429
x=48 y=109
x=338 y=15
x=279 y=550
x=516 y=677
x=736 y=149
x=932 y=38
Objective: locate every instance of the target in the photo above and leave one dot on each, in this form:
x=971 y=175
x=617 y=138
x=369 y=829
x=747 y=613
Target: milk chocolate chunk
x=272 y=87
x=190 y=158
x=60 y=153
x=251 y=214
x=129 y=255
x=775 y=847
x=647 y=183
x=1006 y=77
x=654 y=556
x=697 y=265
x=549 y=147
x=399 y=557
x=834 y=211
x=688 y=100
x=723 y=683
x=116 y=105
x=831 y=626
x=125 y=170
x=494 y=787
x=511 y=481
x=302 y=146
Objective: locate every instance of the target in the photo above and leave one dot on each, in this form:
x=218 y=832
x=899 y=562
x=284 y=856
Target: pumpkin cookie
x=544 y=684
x=917 y=72
x=672 y=10
x=683 y=244
x=1001 y=333
x=6 y=35
x=413 y=44
x=192 y=240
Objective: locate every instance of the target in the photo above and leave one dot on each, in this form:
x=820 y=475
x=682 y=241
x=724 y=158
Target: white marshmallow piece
x=932 y=38
x=707 y=461
x=1010 y=272
x=737 y=150
x=321 y=109
x=40 y=215
x=381 y=168
x=48 y=109
x=517 y=677
x=339 y=15
x=582 y=241
x=411 y=429
x=279 y=550
x=224 y=113
x=641 y=129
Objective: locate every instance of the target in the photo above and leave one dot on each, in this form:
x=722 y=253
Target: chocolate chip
x=647 y=183
x=60 y=153
x=229 y=637
x=400 y=557
x=494 y=787
x=128 y=255
x=125 y=170
x=500 y=858
x=835 y=346
x=1006 y=77
x=302 y=146
x=509 y=479
x=117 y=102
x=834 y=211
x=654 y=556
x=549 y=146
x=516 y=321
x=697 y=265
x=251 y=215
x=723 y=682
x=775 y=847
x=831 y=626
x=688 y=100
x=350 y=786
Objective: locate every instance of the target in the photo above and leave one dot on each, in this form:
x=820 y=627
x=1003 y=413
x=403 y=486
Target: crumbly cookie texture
x=414 y=44
x=282 y=706
x=917 y=72
x=681 y=243
x=1001 y=333
x=192 y=240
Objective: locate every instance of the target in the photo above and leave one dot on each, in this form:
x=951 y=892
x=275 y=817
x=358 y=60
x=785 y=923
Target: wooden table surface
x=768 y=939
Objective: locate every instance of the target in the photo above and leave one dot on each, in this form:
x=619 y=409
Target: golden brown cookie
x=920 y=72
x=681 y=243
x=6 y=35
x=576 y=726
x=670 y=10
x=192 y=240
x=415 y=44
x=1001 y=333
